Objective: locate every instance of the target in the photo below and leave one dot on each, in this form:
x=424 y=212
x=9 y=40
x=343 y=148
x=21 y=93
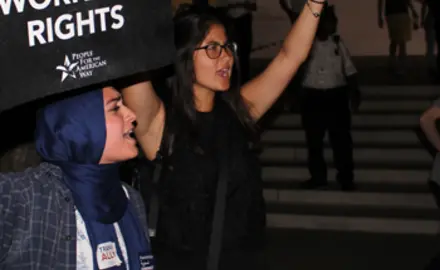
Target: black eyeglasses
x=214 y=50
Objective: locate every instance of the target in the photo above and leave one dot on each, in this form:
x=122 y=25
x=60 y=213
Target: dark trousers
x=243 y=36
x=328 y=111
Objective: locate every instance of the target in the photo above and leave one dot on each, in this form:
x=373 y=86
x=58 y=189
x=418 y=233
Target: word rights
x=65 y=26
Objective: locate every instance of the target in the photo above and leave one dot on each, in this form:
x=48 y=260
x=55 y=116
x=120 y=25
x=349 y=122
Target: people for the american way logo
x=67 y=69
x=80 y=65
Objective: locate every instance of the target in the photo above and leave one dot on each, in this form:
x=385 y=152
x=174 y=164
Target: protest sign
x=52 y=46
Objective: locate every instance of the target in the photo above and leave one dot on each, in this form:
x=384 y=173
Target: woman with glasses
x=210 y=114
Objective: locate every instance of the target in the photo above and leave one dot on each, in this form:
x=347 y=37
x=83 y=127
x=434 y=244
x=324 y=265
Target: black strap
x=151 y=197
x=153 y=214
x=215 y=245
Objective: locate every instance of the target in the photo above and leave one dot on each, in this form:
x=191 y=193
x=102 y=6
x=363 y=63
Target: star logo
x=67 y=69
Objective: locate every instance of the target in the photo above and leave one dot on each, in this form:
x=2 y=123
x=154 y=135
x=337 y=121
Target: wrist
x=316 y=7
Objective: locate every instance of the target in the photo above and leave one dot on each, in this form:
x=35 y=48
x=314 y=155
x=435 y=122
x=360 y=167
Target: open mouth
x=129 y=134
x=224 y=72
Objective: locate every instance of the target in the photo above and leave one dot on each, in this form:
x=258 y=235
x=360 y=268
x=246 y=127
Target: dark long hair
x=192 y=24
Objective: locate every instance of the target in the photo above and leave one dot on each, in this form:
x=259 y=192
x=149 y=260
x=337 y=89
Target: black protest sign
x=52 y=46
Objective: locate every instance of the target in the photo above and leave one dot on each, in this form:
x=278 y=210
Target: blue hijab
x=72 y=134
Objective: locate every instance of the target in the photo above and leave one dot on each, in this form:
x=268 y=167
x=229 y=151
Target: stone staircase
x=392 y=169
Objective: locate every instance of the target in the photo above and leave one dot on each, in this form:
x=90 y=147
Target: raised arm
x=264 y=90
x=427 y=123
x=150 y=116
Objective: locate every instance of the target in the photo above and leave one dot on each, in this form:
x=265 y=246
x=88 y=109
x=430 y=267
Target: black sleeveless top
x=188 y=187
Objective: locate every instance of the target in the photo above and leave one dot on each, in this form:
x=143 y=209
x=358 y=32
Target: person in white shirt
x=241 y=18
x=329 y=84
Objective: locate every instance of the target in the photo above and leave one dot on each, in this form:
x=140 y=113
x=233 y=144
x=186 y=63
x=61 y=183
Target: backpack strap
x=153 y=214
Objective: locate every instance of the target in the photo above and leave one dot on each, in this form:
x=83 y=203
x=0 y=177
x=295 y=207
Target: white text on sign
x=65 y=26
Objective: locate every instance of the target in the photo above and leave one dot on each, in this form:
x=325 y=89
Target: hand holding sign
x=52 y=46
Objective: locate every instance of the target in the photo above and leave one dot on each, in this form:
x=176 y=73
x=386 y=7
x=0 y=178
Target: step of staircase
x=400 y=92
x=388 y=138
x=291 y=174
x=349 y=199
x=390 y=106
x=380 y=157
x=359 y=121
x=352 y=224
x=356 y=211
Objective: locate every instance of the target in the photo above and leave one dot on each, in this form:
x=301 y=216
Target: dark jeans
x=324 y=111
x=243 y=36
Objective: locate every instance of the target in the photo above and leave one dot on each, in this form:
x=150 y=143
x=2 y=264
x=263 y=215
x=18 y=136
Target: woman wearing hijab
x=204 y=137
x=72 y=212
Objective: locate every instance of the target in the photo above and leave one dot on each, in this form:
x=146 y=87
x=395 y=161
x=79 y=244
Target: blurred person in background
x=427 y=21
x=400 y=24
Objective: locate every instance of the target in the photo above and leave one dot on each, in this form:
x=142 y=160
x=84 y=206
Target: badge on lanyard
x=146 y=261
x=107 y=255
